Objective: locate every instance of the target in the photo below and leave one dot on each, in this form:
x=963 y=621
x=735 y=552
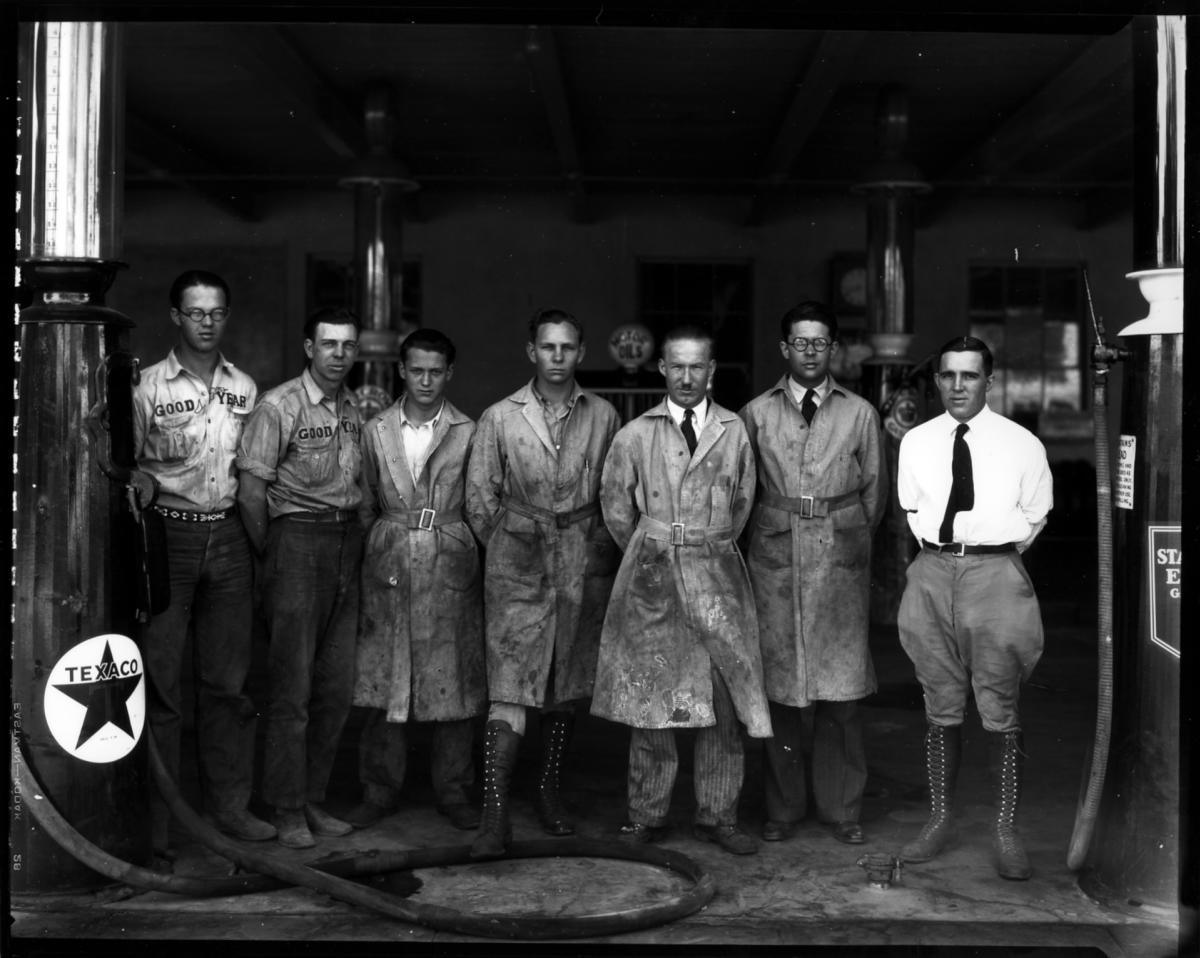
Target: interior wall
x=488 y=260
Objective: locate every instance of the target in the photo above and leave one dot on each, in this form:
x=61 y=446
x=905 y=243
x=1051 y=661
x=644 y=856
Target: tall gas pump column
x=379 y=181
x=891 y=185
x=78 y=703
x=1134 y=856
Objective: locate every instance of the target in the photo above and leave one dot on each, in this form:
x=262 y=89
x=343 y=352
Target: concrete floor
x=803 y=896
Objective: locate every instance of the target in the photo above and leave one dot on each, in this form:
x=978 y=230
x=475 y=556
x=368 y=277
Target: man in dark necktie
x=977 y=489
x=822 y=489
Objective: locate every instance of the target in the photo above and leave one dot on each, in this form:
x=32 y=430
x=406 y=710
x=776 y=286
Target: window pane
x=1023 y=348
x=1062 y=291
x=1062 y=344
x=1024 y=390
x=693 y=290
x=1063 y=390
x=993 y=335
x=997 y=399
x=1024 y=286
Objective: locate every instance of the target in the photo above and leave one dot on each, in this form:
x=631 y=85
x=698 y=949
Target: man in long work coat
x=420 y=639
x=532 y=499
x=822 y=483
x=680 y=642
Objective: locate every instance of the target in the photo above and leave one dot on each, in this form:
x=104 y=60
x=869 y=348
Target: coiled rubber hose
x=326 y=877
x=1089 y=799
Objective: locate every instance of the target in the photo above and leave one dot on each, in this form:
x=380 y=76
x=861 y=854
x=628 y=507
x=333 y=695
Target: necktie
x=689 y=433
x=962 y=491
x=808 y=408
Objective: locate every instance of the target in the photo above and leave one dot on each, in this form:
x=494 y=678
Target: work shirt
x=1013 y=486
x=305 y=446
x=556 y=420
x=186 y=433
x=418 y=436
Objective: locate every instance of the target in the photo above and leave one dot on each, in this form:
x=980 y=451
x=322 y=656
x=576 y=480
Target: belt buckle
x=806 y=507
x=426 y=520
x=961 y=551
x=677 y=529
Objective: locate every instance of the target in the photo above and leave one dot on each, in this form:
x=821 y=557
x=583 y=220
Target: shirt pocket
x=182 y=435
x=317 y=460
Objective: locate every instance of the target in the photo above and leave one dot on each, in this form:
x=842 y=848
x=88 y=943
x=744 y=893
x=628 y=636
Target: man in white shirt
x=977 y=488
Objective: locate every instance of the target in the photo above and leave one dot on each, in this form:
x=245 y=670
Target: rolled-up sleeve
x=262 y=444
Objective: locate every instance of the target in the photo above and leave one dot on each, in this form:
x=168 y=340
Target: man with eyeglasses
x=822 y=485
x=977 y=489
x=189 y=411
x=301 y=462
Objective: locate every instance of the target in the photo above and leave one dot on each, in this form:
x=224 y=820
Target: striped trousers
x=718 y=766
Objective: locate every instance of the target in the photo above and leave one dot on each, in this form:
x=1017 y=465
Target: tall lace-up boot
x=943 y=750
x=500 y=745
x=1007 y=759
x=556 y=736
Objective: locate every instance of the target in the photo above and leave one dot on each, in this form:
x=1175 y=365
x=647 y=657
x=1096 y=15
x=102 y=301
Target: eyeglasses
x=800 y=344
x=197 y=315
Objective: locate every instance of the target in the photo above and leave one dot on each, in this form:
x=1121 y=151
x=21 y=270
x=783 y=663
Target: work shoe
x=293 y=829
x=778 y=831
x=848 y=833
x=729 y=837
x=366 y=813
x=462 y=816
x=943 y=747
x=324 y=824
x=1011 y=860
x=500 y=744
x=243 y=825
x=635 y=833
x=556 y=735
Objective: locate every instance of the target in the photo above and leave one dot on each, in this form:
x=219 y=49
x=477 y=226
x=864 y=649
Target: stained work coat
x=812 y=576
x=420 y=644
x=679 y=610
x=546 y=582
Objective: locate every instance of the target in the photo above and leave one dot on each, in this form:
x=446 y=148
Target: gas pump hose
x=1088 y=809
x=327 y=877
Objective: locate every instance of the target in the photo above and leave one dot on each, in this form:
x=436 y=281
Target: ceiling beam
x=826 y=69
x=164 y=158
x=541 y=53
x=274 y=58
x=1076 y=95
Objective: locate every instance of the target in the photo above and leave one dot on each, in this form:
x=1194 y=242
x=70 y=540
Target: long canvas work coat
x=812 y=576
x=679 y=610
x=420 y=644
x=546 y=580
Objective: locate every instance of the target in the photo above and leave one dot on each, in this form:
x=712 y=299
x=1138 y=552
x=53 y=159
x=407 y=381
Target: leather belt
x=678 y=533
x=807 y=507
x=333 y=515
x=961 y=549
x=185 y=515
x=560 y=519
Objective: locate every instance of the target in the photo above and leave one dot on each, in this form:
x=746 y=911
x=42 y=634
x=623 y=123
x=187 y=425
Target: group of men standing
x=695 y=568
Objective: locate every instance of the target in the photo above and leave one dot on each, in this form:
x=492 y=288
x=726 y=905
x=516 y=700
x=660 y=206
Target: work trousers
x=310 y=598
x=971 y=623
x=211 y=576
x=839 y=763
x=383 y=760
x=718 y=767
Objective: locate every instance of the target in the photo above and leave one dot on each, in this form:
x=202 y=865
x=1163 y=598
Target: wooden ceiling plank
x=541 y=53
x=164 y=158
x=272 y=56
x=824 y=73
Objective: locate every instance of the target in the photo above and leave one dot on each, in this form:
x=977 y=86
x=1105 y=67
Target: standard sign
x=95 y=699
x=1166 y=564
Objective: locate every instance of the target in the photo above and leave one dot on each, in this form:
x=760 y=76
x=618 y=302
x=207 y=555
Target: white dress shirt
x=417 y=439
x=819 y=392
x=1013 y=486
x=700 y=414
